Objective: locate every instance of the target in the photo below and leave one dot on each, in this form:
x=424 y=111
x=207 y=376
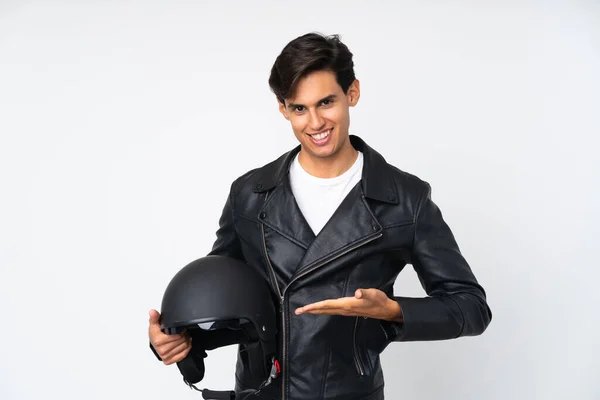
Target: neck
x=329 y=167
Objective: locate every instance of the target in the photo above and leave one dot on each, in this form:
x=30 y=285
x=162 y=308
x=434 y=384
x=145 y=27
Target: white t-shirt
x=318 y=198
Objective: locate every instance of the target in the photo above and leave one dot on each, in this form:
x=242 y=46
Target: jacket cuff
x=429 y=318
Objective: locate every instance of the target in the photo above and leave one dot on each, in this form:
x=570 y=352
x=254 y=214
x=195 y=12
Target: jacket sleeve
x=456 y=304
x=227 y=242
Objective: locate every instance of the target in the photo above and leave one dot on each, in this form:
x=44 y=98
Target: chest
x=278 y=238
x=318 y=198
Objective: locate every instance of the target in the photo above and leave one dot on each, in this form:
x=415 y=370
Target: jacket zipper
x=282 y=295
x=330 y=259
x=357 y=359
x=281 y=307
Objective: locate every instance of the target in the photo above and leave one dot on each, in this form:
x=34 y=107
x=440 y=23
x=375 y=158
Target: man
x=332 y=224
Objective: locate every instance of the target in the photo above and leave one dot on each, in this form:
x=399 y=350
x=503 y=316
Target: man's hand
x=370 y=303
x=170 y=348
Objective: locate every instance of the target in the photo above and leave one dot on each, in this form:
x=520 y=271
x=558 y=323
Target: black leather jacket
x=386 y=222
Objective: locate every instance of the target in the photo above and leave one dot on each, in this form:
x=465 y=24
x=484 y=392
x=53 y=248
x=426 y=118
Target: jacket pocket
x=369 y=339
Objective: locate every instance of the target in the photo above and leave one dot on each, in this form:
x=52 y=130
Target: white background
x=123 y=124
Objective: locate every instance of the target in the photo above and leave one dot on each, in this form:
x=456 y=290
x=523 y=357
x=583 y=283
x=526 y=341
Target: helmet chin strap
x=193 y=371
x=228 y=394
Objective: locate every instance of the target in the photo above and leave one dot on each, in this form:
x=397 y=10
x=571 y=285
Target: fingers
x=346 y=303
x=365 y=302
x=177 y=353
x=311 y=307
x=320 y=305
x=316 y=311
x=162 y=339
x=169 y=346
x=332 y=307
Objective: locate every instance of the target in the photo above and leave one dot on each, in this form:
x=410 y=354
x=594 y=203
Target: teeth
x=320 y=136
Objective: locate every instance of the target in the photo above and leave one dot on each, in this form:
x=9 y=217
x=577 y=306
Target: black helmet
x=226 y=302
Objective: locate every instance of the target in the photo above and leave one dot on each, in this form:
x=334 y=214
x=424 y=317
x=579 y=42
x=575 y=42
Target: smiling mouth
x=320 y=135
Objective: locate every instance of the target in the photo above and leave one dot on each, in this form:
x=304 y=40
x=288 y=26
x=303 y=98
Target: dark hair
x=306 y=54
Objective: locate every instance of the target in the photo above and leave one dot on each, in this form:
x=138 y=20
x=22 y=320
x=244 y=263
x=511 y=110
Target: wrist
x=395 y=312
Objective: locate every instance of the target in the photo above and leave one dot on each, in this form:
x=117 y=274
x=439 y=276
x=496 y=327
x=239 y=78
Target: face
x=319 y=114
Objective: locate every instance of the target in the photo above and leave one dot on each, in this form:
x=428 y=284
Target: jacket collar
x=377 y=182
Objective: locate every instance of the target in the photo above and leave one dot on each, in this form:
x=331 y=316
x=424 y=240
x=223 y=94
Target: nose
x=316 y=122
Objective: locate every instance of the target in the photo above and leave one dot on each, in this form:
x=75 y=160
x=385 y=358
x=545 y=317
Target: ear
x=353 y=93
x=283 y=110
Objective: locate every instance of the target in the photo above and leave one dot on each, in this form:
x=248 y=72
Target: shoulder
x=409 y=182
x=386 y=181
x=261 y=178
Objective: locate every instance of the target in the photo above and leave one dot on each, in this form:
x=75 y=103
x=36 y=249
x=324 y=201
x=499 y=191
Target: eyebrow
x=330 y=97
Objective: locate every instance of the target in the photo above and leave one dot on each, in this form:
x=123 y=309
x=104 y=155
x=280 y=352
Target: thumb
x=365 y=294
x=154 y=317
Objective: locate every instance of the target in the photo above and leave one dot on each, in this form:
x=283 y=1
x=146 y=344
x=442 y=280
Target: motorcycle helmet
x=223 y=301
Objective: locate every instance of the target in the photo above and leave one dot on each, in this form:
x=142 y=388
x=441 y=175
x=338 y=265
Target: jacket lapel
x=350 y=225
x=281 y=213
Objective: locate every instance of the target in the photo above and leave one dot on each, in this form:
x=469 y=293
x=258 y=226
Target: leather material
x=387 y=221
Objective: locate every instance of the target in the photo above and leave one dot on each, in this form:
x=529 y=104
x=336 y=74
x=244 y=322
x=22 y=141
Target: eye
x=326 y=102
x=298 y=108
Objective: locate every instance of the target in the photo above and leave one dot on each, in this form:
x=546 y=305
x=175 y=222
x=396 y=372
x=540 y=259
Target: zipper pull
x=275 y=370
